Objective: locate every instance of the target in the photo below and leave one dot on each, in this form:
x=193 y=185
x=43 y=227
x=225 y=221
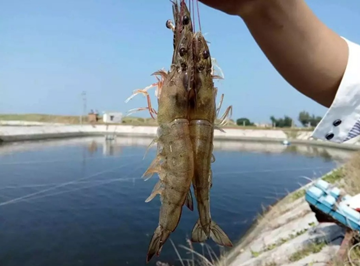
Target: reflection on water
x=93 y=147
x=314 y=151
x=114 y=147
x=111 y=148
x=81 y=201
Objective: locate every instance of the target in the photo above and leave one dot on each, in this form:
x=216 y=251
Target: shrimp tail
x=157 y=241
x=216 y=233
x=219 y=236
x=198 y=234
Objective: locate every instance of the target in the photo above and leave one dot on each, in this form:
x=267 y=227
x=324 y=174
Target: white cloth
x=342 y=120
x=353 y=202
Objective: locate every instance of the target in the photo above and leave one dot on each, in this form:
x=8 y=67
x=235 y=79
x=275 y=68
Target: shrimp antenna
x=198 y=13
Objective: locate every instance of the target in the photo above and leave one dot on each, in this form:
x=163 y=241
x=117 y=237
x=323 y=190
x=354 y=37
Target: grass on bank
x=128 y=120
x=354 y=255
x=207 y=257
x=280 y=242
x=309 y=249
x=297 y=195
x=335 y=176
x=351 y=176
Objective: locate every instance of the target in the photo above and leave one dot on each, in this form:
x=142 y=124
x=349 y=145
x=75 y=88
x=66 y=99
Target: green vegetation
x=312 y=224
x=306 y=119
x=355 y=255
x=351 y=172
x=307 y=250
x=297 y=195
x=284 y=240
x=282 y=122
x=244 y=122
x=255 y=253
x=334 y=176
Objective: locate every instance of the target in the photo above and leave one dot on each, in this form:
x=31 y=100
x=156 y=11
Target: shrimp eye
x=185 y=20
x=206 y=54
x=182 y=51
x=183 y=66
x=168 y=24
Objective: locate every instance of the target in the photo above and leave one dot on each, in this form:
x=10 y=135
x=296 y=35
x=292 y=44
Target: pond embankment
x=49 y=131
x=289 y=234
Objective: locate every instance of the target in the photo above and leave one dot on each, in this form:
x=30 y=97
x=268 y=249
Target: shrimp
x=202 y=114
x=174 y=162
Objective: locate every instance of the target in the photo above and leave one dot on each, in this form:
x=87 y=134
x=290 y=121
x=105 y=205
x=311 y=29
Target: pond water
x=81 y=201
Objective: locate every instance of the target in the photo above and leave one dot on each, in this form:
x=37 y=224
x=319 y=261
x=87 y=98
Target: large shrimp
x=202 y=114
x=174 y=161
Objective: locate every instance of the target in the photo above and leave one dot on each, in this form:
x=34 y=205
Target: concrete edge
x=29 y=137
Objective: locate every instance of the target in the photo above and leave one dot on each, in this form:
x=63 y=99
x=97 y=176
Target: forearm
x=309 y=55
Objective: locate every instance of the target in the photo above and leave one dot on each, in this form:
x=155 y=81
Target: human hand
x=231 y=7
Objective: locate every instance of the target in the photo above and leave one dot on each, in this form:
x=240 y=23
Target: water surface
x=81 y=201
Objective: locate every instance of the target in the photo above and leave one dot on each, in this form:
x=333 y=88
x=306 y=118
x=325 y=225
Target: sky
x=51 y=51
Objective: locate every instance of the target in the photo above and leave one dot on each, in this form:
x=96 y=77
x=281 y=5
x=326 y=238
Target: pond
x=82 y=201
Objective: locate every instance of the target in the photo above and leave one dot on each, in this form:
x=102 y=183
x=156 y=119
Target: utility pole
x=83 y=96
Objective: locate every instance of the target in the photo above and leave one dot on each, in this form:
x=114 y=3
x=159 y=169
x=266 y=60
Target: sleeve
x=342 y=120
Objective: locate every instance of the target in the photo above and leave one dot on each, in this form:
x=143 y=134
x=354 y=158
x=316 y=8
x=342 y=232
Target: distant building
x=112 y=117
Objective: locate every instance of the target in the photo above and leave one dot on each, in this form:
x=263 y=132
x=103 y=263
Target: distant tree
x=287 y=121
x=273 y=120
x=315 y=120
x=306 y=119
x=244 y=122
x=281 y=122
